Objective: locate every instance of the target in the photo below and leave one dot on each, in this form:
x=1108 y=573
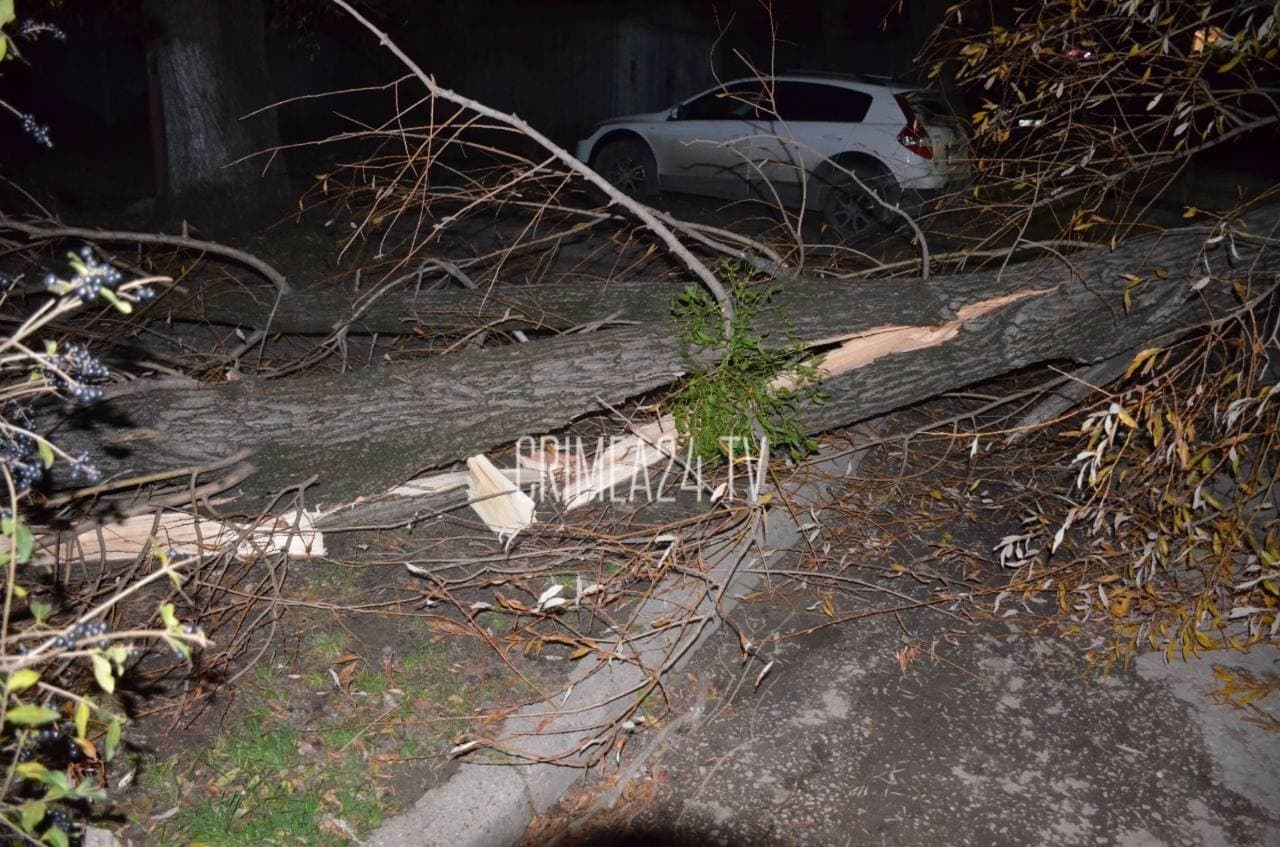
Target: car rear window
x=927 y=105
x=808 y=101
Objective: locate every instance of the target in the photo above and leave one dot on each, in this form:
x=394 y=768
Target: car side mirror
x=674 y=114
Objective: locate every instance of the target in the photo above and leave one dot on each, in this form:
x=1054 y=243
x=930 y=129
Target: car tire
x=629 y=166
x=851 y=213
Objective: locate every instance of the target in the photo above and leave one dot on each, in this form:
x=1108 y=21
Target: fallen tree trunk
x=359 y=433
x=402 y=309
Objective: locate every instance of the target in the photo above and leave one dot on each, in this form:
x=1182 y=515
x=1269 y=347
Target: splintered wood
x=183 y=534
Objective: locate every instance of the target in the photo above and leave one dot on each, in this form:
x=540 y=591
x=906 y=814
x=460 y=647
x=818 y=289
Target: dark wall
x=91 y=90
x=563 y=65
x=566 y=71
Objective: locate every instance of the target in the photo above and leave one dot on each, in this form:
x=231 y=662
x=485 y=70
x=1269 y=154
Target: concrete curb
x=491 y=805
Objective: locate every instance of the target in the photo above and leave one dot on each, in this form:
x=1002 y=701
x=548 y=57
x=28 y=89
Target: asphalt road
x=991 y=736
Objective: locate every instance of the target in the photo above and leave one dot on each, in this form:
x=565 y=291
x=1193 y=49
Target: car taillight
x=913 y=136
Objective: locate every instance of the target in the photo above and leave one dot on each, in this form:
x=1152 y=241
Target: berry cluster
x=18 y=450
x=90 y=280
x=83 y=631
x=91 y=277
x=73 y=369
x=82 y=470
x=56 y=746
x=38 y=131
x=59 y=818
x=33 y=29
x=53 y=746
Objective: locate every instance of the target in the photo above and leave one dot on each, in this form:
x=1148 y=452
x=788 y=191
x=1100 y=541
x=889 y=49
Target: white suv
x=790 y=138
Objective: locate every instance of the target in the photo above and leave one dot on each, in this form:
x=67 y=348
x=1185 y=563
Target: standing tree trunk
x=209 y=61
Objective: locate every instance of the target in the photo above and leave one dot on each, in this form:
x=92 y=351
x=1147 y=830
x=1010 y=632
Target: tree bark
x=400 y=311
x=209 y=61
x=362 y=432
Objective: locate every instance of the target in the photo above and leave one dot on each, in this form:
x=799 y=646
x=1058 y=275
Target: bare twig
x=640 y=210
x=58 y=231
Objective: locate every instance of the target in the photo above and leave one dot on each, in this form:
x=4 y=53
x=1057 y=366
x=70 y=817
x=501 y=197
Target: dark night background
x=563 y=66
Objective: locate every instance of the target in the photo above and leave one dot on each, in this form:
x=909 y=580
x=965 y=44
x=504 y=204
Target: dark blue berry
x=84 y=631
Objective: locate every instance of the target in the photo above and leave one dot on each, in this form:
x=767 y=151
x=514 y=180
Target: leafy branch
x=727 y=410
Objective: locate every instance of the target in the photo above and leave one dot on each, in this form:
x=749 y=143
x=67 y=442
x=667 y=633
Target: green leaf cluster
x=725 y=411
x=7 y=15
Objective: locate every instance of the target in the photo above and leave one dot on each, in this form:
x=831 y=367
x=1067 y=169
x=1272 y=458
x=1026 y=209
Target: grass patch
x=326 y=645
x=324 y=741
x=268 y=783
x=495 y=622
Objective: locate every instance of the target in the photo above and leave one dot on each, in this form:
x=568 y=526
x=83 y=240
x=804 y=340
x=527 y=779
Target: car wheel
x=628 y=166
x=852 y=213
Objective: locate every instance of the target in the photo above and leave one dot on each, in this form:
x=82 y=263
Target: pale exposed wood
x=182 y=534
x=504 y=508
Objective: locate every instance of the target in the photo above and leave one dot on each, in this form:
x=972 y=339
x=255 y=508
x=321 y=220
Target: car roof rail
x=875 y=79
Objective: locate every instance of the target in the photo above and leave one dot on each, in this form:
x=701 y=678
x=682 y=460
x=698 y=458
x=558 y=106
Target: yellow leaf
x=30 y=714
x=31 y=770
x=102 y=673
x=1190 y=212
x=828 y=609
x=87 y=748
x=82 y=719
x=1230 y=63
x=23 y=679
x=579 y=653
x=1139 y=359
